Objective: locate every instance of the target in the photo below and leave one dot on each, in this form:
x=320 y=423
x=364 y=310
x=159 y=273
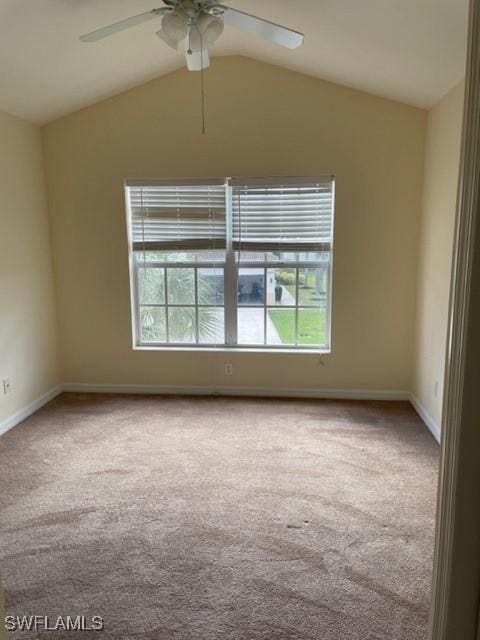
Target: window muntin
x=223 y=291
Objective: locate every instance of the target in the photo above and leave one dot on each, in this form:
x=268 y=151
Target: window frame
x=230 y=266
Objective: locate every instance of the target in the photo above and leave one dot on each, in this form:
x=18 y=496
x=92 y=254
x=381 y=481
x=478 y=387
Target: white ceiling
x=407 y=50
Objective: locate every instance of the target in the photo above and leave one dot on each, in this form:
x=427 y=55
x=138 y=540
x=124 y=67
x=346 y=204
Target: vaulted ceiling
x=408 y=50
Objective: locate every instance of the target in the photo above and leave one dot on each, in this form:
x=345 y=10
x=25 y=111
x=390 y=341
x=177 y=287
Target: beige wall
x=28 y=352
x=262 y=120
x=442 y=155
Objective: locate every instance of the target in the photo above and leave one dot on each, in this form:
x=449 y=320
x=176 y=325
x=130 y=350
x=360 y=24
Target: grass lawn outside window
x=311 y=325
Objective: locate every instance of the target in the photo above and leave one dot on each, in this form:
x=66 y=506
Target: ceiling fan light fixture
x=174 y=26
x=210 y=27
x=171 y=43
x=204 y=32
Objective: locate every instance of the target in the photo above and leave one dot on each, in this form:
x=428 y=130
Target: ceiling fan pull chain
x=189 y=50
x=202 y=84
x=203 y=102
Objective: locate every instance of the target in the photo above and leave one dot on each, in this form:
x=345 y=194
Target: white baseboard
x=22 y=414
x=431 y=424
x=268 y=392
x=339 y=394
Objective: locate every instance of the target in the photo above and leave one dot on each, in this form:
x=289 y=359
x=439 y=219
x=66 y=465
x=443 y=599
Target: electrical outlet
x=228 y=369
x=435 y=389
x=7 y=387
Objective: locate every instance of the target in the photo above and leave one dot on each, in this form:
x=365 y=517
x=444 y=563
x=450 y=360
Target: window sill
x=223 y=349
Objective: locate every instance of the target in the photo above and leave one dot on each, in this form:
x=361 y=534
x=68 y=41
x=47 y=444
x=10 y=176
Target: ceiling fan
x=198 y=24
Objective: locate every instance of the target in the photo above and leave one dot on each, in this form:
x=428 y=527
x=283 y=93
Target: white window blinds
x=177 y=215
x=282 y=214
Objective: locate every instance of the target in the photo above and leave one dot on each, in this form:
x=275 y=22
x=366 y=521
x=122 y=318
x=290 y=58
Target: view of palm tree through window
x=181 y=301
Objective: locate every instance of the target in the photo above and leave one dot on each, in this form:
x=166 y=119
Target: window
x=234 y=262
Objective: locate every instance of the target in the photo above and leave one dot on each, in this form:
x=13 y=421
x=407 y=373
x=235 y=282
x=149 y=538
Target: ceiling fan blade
x=262 y=28
x=196 y=60
x=104 y=32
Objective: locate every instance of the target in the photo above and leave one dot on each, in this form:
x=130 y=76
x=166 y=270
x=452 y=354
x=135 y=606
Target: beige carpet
x=218 y=518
